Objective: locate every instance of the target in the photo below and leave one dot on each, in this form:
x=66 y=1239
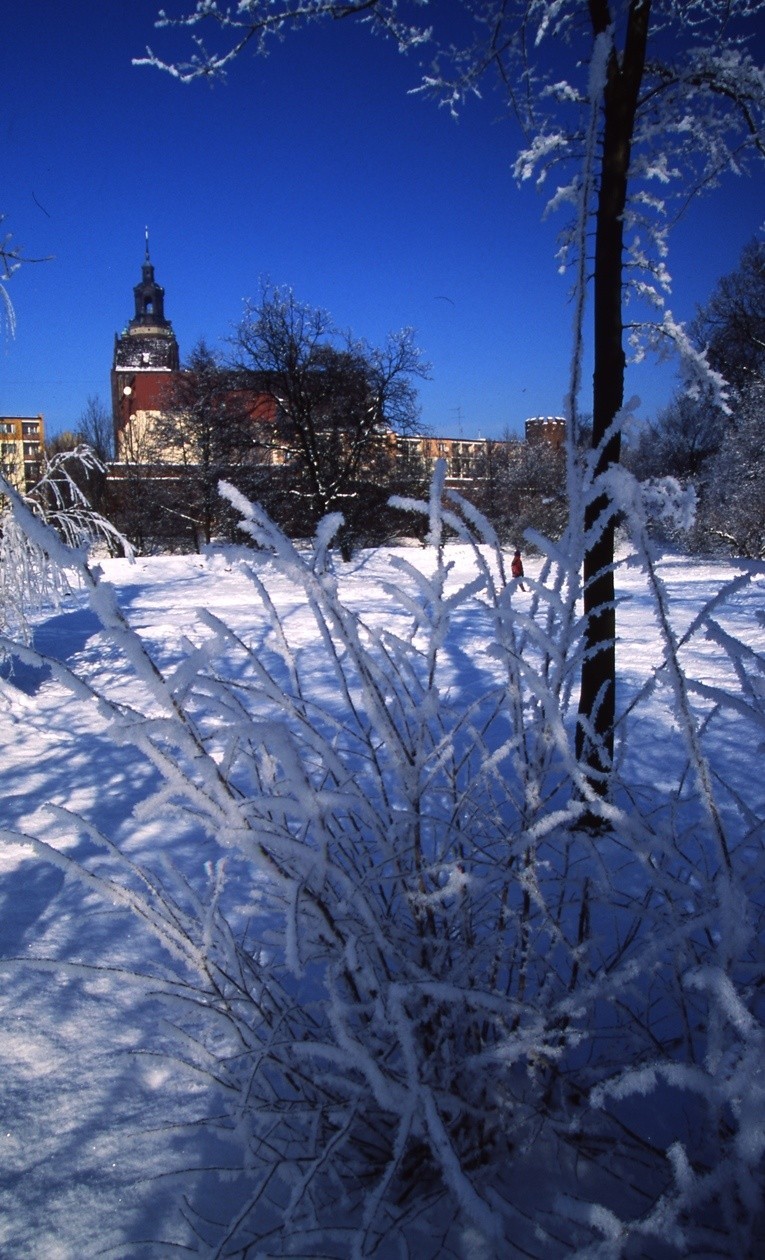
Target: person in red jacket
x=516 y=568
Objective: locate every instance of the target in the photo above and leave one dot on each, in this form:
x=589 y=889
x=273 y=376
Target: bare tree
x=207 y=433
x=521 y=485
x=138 y=497
x=337 y=399
x=96 y=428
x=731 y=325
x=734 y=500
x=713 y=449
x=94 y=431
x=681 y=439
x=638 y=70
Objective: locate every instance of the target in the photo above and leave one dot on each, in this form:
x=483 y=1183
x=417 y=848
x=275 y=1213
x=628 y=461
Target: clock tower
x=145 y=365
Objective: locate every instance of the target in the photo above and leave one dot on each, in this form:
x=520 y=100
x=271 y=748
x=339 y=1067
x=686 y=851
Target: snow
x=101 y=1111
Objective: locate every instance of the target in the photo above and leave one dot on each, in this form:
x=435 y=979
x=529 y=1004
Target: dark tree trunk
x=597 y=698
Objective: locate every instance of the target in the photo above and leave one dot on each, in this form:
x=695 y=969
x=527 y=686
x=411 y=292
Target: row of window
x=29 y=428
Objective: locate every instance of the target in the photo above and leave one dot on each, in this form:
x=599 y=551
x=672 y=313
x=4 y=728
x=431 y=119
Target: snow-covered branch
x=35 y=573
x=447 y=958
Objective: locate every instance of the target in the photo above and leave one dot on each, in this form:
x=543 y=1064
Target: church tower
x=145 y=363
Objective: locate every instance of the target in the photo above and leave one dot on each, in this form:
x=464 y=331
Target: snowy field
x=101 y=1134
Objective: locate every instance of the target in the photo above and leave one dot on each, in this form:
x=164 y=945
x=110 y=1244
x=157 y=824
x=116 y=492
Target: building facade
x=22 y=441
x=546 y=431
x=146 y=371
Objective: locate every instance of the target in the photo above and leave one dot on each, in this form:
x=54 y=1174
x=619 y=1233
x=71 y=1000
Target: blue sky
x=314 y=168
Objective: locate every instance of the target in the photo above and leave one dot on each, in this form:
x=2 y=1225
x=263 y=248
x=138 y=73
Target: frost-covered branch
x=256 y=22
x=11 y=258
x=31 y=576
x=394 y=952
x=652 y=98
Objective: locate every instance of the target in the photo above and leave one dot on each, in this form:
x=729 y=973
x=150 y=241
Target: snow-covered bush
x=423 y=969
x=29 y=579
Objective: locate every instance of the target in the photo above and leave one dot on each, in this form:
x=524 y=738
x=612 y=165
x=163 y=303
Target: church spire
x=149 y=296
x=145 y=361
x=148 y=343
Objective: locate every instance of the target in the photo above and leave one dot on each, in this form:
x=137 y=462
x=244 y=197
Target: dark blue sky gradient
x=313 y=168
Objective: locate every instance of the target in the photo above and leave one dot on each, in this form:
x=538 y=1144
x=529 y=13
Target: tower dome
x=148 y=342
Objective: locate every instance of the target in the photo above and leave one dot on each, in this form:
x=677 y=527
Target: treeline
x=325 y=442
x=720 y=454
x=297 y=417
x=306 y=421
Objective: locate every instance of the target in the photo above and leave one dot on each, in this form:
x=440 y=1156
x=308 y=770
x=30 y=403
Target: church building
x=145 y=372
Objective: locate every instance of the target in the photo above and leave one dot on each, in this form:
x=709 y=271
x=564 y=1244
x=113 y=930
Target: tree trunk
x=597 y=697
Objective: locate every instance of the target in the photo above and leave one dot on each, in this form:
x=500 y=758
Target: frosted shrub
x=29 y=579
x=425 y=970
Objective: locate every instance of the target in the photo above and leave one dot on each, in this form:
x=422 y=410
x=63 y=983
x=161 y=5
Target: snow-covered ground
x=99 y=1134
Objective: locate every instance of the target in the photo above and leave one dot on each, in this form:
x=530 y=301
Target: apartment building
x=22 y=440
